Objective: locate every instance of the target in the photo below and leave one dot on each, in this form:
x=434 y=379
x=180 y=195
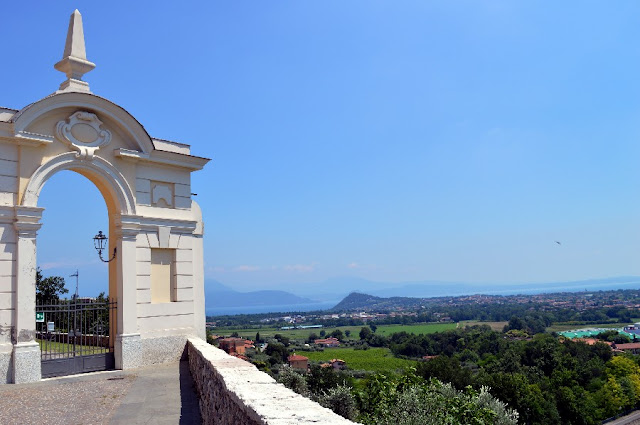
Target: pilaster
x=26 y=352
x=128 y=343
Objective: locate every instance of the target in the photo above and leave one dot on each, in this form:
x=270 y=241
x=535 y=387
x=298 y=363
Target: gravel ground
x=77 y=400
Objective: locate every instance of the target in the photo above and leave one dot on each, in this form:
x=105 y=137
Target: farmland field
x=373 y=359
x=496 y=326
x=418 y=328
x=299 y=334
x=302 y=334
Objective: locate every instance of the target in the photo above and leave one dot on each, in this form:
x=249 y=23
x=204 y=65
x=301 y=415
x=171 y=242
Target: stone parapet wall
x=233 y=391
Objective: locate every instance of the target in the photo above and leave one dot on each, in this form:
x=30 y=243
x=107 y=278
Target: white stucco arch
x=96 y=104
x=73 y=129
x=109 y=177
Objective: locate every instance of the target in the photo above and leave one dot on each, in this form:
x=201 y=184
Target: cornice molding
x=174 y=159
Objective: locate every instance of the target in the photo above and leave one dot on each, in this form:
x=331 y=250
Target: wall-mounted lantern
x=100 y=243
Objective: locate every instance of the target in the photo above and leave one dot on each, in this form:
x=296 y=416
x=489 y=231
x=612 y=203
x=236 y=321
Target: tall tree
x=49 y=289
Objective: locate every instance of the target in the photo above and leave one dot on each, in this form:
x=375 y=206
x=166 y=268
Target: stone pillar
x=198 y=272
x=198 y=286
x=26 y=352
x=128 y=347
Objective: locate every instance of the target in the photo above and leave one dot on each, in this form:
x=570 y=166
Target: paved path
x=630 y=419
x=162 y=394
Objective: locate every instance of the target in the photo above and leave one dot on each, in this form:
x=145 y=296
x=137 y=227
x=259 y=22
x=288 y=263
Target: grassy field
x=302 y=334
x=418 y=328
x=496 y=326
x=373 y=359
x=299 y=334
x=61 y=347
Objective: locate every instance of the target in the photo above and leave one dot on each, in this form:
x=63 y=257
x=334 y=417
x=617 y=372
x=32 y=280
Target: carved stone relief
x=82 y=131
x=162 y=194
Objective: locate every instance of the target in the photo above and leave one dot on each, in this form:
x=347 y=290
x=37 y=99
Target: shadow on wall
x=190 y=404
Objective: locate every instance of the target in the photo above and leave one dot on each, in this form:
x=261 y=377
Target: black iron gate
x=74 y=336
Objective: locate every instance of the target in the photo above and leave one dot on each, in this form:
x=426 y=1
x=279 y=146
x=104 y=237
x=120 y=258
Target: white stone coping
x=259 y=395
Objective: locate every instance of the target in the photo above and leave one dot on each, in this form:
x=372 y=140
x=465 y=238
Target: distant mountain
x=341 y=287
x=358 y=301
x=329 y=291
x=219 y=295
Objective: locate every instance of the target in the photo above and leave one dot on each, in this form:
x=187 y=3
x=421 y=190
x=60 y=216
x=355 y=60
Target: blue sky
x=395 y=141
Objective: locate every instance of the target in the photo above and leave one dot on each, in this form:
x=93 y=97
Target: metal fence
x=76 y=330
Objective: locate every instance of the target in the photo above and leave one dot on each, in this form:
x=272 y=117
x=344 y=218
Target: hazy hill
x=219 y=295
x=358 y=301
x=340 y=287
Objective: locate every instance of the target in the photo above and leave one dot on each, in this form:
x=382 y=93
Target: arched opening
x=75 y=333
x=93 y=338
x=74 y=211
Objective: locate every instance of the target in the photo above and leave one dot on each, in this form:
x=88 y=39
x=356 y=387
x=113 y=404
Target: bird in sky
x=558 y=243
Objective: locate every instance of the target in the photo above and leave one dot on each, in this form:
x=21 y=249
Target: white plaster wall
x=157 y=331
x=165 y=318
x=8 y=196
x=8 y=174
x=7 y=274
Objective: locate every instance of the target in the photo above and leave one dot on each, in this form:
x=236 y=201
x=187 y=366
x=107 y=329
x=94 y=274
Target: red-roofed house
x=298 y=362
x=633 y=347
x=233 y=345
x=338 y=364
x=328 y=342
x=427 y=358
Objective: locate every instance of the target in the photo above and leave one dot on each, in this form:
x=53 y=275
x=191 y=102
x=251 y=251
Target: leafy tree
x=446 y=369
x=410 y=401
x=258 y=337
x=49 y=289
x=312 y=337
x=341 y=400
x=293 y=380
x=373 y=327
x=612 y=398
x=278 y=353
x=337 y=334
x=347 y=333
x=621 y=366
x=322 y=333
x=365 y=333
x=282 y=339
x=321 y=379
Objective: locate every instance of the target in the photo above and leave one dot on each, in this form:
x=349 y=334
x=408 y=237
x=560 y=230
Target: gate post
x=26 y=351
x=128 y=344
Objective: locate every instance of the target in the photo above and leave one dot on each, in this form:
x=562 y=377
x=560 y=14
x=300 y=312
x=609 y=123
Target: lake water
x=218 y=311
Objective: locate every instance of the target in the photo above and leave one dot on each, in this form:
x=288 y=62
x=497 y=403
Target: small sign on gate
x=39 y=316
x=51 y=327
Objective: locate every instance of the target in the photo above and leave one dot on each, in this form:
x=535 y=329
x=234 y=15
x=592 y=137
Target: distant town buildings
x=235 y=346
x=328 y=342
x=632 y=347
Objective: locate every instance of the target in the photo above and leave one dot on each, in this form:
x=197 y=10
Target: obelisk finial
x=74 y=61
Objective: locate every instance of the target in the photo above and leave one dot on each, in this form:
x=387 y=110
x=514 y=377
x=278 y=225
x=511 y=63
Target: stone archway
x=120 y=201
x=157 y=277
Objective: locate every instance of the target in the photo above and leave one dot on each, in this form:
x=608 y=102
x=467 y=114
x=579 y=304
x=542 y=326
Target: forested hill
x=358 y=301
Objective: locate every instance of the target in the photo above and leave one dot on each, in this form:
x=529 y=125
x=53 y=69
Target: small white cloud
x=358 y=266
x=246 y=268
x=303 y=268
